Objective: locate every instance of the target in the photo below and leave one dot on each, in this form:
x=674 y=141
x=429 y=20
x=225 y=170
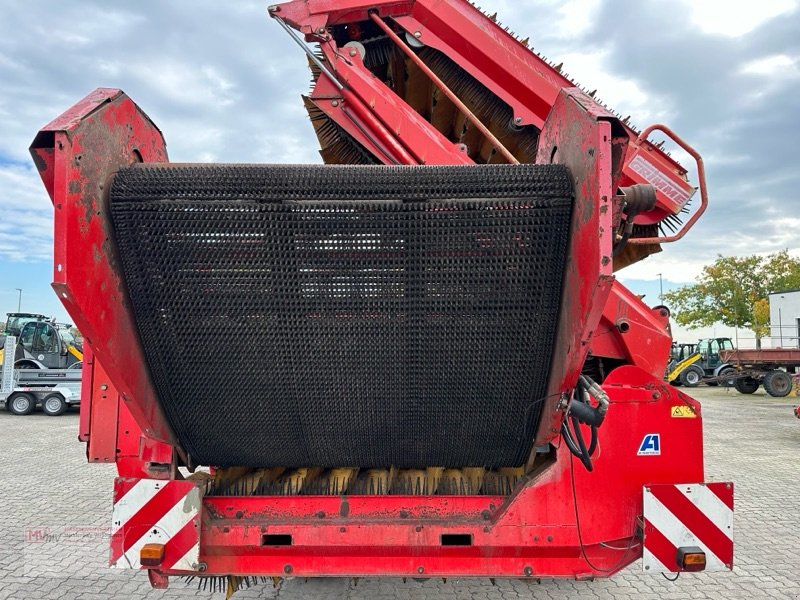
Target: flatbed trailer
x=22 y=390
x=771 y=367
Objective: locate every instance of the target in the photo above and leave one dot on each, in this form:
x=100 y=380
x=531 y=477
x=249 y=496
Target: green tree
x=734 y=291
x=761 y=318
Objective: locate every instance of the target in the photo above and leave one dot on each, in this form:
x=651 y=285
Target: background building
x=784 y=318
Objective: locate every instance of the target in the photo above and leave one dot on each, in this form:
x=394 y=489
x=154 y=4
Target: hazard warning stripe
x=688 y=515
x=152 y=512
x=724 y=492
x=710 y=503
x=693 y=519
x=178 y=549
x=122 y=487
x=136 y=499
x=166 y=527
x=664 y=552
x=155 y=511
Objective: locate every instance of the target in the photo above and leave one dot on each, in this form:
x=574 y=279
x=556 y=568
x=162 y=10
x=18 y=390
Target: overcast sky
x=223 y=83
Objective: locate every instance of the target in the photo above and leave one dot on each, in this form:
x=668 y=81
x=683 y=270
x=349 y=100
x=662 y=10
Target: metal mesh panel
x=346 y=316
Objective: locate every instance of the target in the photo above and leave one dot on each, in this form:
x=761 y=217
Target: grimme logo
x=651 y=445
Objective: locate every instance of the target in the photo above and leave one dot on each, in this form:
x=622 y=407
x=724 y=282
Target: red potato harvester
x=412 y=361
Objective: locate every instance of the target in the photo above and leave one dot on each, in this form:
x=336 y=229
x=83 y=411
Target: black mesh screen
x=346 y=316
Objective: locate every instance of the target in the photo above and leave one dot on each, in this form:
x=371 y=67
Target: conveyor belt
x=346 y=316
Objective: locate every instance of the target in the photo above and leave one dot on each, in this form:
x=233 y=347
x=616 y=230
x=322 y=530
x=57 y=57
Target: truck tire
x=727 y=372
x=692 y=376
x=778 y=383
x=746 y=385
x=54 y=405
x=21 y=403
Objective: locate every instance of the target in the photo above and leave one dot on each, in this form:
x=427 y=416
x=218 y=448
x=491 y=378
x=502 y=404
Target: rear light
x=691 y=558
x=151 y=555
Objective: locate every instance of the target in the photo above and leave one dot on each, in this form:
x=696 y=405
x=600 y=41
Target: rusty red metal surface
x=75 y=154
x=575 y=137
x=765 y=356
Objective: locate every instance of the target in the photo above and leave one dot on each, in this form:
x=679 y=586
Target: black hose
x=593 y=441
x=575 y=441
x=573 y=447
x=584 y=455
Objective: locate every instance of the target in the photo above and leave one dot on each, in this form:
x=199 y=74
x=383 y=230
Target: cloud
x=734 y=19
x=778 y=65
x=736 y=104
x=223 y=83
x=26 y=226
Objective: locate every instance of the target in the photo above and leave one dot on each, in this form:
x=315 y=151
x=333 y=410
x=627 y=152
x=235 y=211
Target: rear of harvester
x=418 y=369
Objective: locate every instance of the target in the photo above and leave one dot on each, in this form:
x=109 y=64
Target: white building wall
x=784 y=318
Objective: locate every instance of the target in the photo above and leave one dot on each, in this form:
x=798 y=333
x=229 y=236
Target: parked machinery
x=23 y=389
x=715 y=361
x=443 y=377
x=772 y=367
x=702 y=362
x=47 y=345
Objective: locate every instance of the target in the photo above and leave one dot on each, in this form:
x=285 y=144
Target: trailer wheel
x=746 y=385
x=691 y=376
x=727 y=372
x=21 y=403
x=54 y=405
x=777 y=383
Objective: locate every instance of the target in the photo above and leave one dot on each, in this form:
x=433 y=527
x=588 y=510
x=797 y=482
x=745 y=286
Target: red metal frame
x=632 y=332
x=522 y=79
x=75 y=154
x=532 y=533
x=445 y=90
x=551 y=525
x=394 y=133
x=560 y=520
x=579 y=135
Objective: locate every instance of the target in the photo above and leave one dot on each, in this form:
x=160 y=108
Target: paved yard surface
x=55 y=509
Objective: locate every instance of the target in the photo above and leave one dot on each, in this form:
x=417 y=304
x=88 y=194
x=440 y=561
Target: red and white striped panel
x=695 y=514
x=153 y=511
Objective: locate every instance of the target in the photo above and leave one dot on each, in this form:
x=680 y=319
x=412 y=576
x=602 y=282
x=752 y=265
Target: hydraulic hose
x=580 y=411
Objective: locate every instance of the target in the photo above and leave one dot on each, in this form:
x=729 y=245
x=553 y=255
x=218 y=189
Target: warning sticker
x=683 y=411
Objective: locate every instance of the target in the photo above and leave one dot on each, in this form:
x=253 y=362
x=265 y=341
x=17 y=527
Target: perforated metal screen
x=346 y=316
